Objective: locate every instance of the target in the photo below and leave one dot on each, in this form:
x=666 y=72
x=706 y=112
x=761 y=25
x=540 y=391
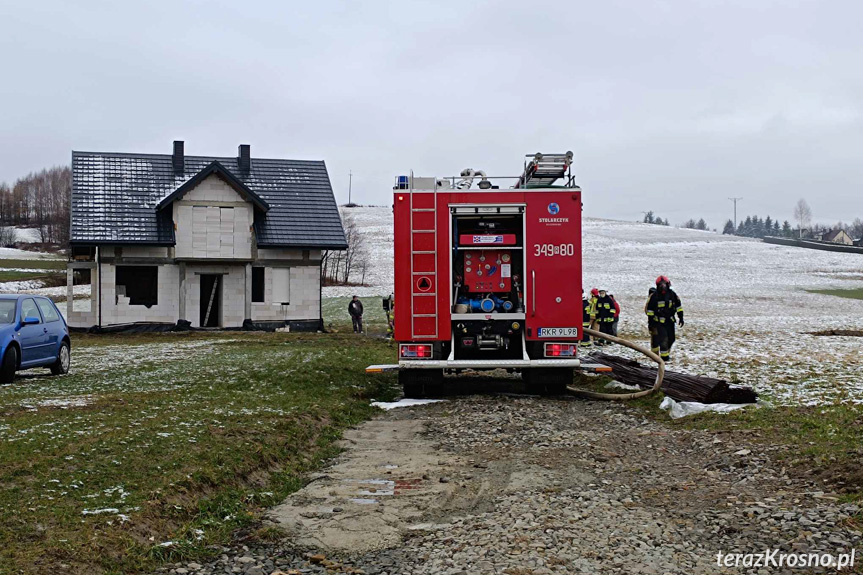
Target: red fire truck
x=488 y=275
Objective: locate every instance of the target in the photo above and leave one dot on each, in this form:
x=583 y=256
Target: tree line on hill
x=40 y=200
x=755 y=226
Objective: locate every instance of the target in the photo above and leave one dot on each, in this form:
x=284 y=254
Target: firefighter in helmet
x=662 y=306
x=605 y=313
x=594 y=296
x=585 y=319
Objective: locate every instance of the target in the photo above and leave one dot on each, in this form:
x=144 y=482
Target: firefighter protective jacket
x=605 y=311
x=662 y=306
x=587 y=311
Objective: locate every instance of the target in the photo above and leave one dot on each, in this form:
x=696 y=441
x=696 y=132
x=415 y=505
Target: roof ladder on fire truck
x=544 y=169
x=424 y=300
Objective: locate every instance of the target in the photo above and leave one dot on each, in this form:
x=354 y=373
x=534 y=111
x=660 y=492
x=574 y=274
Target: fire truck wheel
x=547 y=381
x=556 y=380
x=534 y=383
x=419 y=383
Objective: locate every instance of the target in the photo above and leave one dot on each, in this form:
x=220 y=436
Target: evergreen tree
x=648 y=218
x=728 y=230
x=747 y=227
x=768 y=225
x=701 y=225
x=740 y=229
x=786 y=229
x=776 y=227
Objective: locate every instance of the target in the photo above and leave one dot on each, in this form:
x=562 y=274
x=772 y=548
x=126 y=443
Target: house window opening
x=257 y=285
x=138 y=283
x=82 y=286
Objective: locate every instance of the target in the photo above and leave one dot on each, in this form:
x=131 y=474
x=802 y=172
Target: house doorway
x=211 y=300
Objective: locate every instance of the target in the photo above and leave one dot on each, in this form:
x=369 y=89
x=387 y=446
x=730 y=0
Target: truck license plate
x=557 y=332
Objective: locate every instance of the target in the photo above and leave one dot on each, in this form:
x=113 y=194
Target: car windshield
x=7 y=311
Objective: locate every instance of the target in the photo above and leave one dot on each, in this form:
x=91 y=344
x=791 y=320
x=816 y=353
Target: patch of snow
x=623 y=386
x=100 y=511
x=678 y=409
x=387 y=405
x=20 y=285
x=16 y=254
x=27 y=270
x=66 y=402
x=27 y=235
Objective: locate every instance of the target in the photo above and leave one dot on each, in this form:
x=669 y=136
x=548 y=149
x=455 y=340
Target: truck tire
x=556 y=380
x=533 y=381
x=547 y=381
x=419 y=383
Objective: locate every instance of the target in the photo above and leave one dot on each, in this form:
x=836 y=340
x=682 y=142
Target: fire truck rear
x=488 y=275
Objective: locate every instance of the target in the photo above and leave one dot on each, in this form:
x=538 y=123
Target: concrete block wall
x=82 y=318
x=145 y=252
x=117 y=309
x=206 y=228
x=287 y=254
x=304 y=292
x=233 y=293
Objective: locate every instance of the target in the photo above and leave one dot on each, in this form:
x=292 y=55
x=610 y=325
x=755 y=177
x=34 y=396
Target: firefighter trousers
x=662 y=337
x=585 y=338
x=605 y=327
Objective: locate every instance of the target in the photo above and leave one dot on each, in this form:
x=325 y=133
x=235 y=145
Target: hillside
x=747 y=305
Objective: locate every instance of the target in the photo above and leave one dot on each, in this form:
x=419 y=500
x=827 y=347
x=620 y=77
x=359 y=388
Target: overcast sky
x=668 y=105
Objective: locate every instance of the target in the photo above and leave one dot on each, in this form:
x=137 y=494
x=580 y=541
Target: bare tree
x=339 y=266
x=802 y=214
x=855 y=230
x=7 y=236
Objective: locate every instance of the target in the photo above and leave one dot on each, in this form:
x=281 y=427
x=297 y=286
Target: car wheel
x=64 y=360
x=10 y=363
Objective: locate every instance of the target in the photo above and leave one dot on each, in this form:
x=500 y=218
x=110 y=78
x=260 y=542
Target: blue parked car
x=33 y=333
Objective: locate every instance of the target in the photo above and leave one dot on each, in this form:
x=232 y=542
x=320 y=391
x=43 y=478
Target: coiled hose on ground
x=660 y=372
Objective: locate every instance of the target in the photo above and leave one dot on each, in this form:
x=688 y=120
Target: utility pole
x=350 y=181
x=735 y=200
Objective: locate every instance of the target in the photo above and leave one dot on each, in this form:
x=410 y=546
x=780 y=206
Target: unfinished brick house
x=215 y=242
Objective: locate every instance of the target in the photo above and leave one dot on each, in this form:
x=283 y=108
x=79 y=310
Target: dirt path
x=520 y=485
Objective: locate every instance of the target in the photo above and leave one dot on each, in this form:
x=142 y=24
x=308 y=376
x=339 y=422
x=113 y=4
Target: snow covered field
x=747 y=311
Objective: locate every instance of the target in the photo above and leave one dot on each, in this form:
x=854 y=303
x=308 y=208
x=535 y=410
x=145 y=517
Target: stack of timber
x=678 y=386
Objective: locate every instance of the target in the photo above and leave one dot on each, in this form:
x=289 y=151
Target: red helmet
x=594 y=291
x=661 y=279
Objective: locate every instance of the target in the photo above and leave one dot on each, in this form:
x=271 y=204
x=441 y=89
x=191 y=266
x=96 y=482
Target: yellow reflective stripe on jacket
x=650 y=312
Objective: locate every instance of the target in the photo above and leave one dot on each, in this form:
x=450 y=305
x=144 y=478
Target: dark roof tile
x=115 y=198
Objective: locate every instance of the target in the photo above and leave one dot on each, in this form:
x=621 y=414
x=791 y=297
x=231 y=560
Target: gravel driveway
x=522 y=485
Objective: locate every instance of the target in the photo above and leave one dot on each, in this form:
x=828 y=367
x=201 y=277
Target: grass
x=39 y=264
x=336 y=311
x=7 y=276
x=849 y=293
x=176 y=443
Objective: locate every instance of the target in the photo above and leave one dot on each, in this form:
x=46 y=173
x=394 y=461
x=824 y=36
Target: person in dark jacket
x=662 y=306
x=355 y=309
x=604 y=315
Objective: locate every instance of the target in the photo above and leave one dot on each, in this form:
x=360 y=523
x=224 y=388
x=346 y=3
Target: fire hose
x=660 y=372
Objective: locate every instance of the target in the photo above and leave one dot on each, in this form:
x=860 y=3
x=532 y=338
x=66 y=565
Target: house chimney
x=178 y=159
x=244 y=157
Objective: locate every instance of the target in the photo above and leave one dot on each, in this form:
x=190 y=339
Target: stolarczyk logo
x=553 y=209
